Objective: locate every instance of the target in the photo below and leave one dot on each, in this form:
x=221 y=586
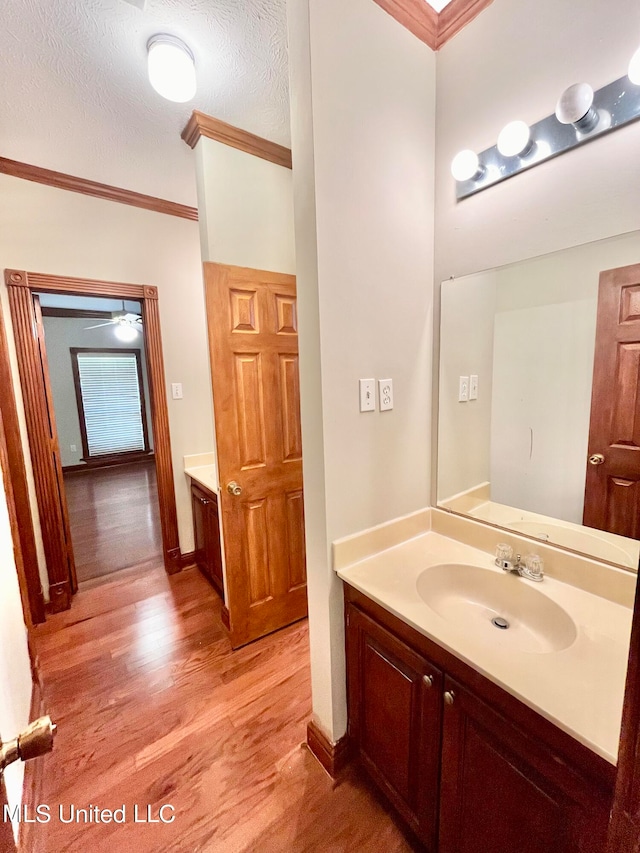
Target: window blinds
x=111 y=400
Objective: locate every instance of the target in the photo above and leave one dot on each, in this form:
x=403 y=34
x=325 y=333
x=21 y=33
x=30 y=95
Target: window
x=110 y=397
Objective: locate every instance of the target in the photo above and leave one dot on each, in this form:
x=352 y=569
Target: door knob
x=596 y=459
x=234 y=489
x=35 y=740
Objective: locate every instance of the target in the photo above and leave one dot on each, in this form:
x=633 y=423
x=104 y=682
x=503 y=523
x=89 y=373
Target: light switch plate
x=367 y=395
x=385 y=391
x=463 y=391
x=473 y=387
x=176 y=390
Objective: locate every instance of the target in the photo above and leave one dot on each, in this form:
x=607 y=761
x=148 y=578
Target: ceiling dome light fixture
x=171 y=68
x=466 y=165
x=634 y=68
x=575 y=106
x=515 y=139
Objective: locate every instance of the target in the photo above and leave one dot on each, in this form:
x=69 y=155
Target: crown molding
x=60 y=180
x=200 y=125
x=433 y=28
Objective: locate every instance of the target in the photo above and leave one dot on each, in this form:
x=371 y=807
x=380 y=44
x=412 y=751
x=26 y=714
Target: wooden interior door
x=253 y=343
x=612 y=493
x=624 y=831
x=7 y=841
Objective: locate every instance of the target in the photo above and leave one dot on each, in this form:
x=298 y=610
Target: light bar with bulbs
x=581 y=115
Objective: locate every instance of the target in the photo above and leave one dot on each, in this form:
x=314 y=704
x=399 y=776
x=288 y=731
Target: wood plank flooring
x=114 y=517
x=153 y=707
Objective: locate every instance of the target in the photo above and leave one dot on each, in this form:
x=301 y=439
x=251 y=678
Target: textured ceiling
x=74 y=94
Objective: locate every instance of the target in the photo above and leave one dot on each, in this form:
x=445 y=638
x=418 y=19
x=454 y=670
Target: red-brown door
x=253 y=340
x=7 y=842
x=612 y=494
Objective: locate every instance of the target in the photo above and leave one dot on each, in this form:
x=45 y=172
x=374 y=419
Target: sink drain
x=499 y=622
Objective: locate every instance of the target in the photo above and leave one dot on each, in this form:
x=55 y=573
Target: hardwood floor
x=114 y=517
x=153 y=707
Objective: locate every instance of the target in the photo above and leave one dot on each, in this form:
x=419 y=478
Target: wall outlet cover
x=473 y=387
x=385 y=391
x=463 y=390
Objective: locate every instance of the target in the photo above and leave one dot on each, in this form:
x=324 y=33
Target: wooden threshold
x=62 y=181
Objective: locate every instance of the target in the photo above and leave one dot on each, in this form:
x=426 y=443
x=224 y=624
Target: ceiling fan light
x=125 y=332
x=171 y=68
x=634 y=68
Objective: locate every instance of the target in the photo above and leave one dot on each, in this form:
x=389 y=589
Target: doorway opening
x=129 y=439
x=100 y=395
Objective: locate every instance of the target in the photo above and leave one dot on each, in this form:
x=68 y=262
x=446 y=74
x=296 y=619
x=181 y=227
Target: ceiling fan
x=127 y=324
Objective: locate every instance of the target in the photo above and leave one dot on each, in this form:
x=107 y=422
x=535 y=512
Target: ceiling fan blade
x=99 y=326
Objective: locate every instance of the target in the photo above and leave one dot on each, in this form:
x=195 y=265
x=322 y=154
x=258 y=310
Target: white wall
x=47 y=230
x=62 y=333
x=513 y=61
x=15 y=670
x=245 y=206
x=466 y=347
x=363 y=146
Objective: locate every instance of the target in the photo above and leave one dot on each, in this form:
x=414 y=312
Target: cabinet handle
x=428 y=680
x=204 y=501
x=449 y=697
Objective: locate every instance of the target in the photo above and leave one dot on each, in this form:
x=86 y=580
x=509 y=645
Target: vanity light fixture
x=515 y=139
x=575 y=106
x=465 y=166
x=171 y=68
x=580 y=116
x=634 y=68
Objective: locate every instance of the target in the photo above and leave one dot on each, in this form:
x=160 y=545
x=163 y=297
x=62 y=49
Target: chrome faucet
x=532 y=568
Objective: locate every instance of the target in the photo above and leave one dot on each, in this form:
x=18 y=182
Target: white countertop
x=580 y=688
x=206 y=475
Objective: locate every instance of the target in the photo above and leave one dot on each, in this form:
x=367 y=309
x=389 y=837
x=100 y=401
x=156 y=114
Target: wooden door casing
x=501 y=790
x=395 y=709
x=252 y=324
x=612 y=492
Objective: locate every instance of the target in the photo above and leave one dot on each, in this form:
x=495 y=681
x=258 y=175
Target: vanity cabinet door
x=503 y=791
x=395 y=707
x=208 y=555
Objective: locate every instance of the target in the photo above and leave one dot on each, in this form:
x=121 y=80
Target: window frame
x=104 y=458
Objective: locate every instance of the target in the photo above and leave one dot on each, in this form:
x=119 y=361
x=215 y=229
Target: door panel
x=395 y=708
x=612 y=489
x=253 y=344
x=7 y=842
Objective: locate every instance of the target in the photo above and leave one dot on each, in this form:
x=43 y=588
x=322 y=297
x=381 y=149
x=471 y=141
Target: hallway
x=153 y=707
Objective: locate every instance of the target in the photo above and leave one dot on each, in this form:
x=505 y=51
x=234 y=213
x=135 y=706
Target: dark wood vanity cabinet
x=465 y=776
x=395 y=703
x=206 y=525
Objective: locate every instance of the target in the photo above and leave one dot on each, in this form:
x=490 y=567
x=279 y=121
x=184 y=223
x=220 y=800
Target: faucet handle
x=504 y=555
x=534 y=567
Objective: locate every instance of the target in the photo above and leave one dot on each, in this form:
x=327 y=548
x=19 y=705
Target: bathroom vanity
x=484 y=739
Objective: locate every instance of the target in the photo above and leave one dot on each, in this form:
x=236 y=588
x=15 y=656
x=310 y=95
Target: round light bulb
x=575 y=106
x=171 y=68
x=634 y=68
x=125 y=332
x=465 y=165
x=514 y=139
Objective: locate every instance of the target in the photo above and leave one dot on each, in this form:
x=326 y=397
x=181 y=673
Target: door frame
x=21 y=286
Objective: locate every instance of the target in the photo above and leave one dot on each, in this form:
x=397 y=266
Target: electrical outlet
x=473 y=387
x=463 y=391
x=73 y=448
x=176 y=390
x=367 y=395
x=385 y=390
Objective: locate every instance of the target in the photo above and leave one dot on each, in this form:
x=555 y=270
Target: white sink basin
x=471 y=597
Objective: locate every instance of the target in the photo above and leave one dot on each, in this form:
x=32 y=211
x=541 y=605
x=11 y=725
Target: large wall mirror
x=542 y=450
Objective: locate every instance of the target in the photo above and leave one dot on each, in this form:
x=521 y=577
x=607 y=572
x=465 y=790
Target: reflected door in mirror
x=612 y=493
